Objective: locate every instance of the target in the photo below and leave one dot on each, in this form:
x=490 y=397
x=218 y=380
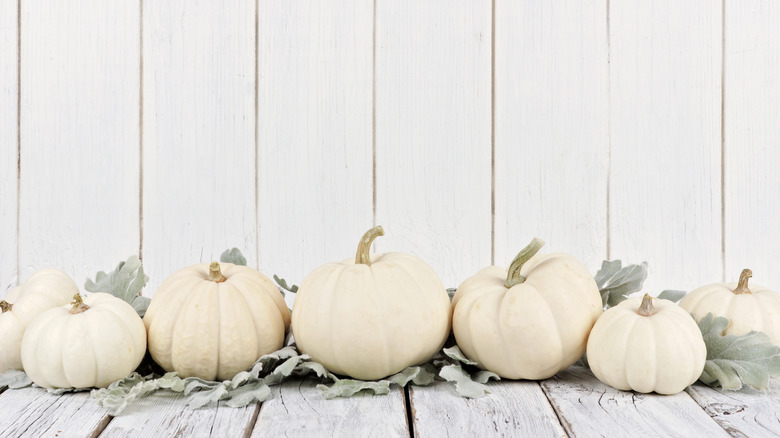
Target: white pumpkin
x=529 y=322
x=89 y=343
x=213 y=321
x=371 y=316
x=45 y=289
x=747 y=308
x=647 y=345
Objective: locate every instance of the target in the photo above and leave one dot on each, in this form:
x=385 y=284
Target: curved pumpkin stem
x=742 y=286
x=78 y=305
x=646 y=308
x=363 y=257
x=215 y=273
x=5 y=306
x=513 y=277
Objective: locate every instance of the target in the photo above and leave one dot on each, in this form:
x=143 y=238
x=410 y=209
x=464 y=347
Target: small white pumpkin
x=371 y=316
x=747 y=308
x=89 y=343
x=647 y=345
x=529 y=322
x=214 y=321
x=45 y=289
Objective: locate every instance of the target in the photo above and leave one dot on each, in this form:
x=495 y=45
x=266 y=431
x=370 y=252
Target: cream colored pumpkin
x=371 y=316
x=213 y=321
x=45 y=289
x=747 y=307
x=530 y=322
x=647 y=345
x=88 y=343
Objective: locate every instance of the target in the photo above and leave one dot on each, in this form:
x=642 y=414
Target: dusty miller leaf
x=455 y=353
x=464 y=384
x=140 y=304
x=616 y=282
x=672 y=295
x=14 y=379
x=420 y=375
x=125 y=282
x=451 y=292
x=283 y=284
x=233 y=256
x=732 y=360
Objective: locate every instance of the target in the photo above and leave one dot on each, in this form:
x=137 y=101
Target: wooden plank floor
x=573 y=403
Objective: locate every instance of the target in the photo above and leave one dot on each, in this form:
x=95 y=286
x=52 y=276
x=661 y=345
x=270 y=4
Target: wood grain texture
x=513 y=409
x=433 y=167
x=34 y=413
x=297 y=409
x=314 y=133
x=665 y=93
x=198 y=133
x=8 y=144
x=79 y=135
x=164 y=414
x=752 y=135
x=587 y=407
x=551 y=128
x=744 y=413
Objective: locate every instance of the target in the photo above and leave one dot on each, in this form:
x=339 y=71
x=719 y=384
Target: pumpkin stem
x=5 y=306
x=646 y=308
x=215 y=273
x=78 y=305
x=742 y=286
x=362 y=257
x=513 y=277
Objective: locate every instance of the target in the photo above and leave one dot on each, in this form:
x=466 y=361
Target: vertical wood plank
x=314 y=132
x=198 y=133
x=551 y=128
x=665 y=181
x=433 y=170
x=752 y=137
x=8 y=143
x=79 y=135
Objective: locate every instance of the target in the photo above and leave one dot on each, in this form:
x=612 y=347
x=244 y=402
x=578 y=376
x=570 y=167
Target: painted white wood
x=164 y=414
x=515 y=408
x=79 y=135
x=297 y=409
x=752 y=136
x=34 y=413
x=314 y=133
x=743 y=413
x=8 y=143
x=551 y=128
x=665 y=169
x=198 y=133
x=587 y=407
x=433 y=171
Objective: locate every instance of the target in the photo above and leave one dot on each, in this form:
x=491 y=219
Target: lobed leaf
x=124 y=282
x=464 y=384
x=672 y=295
x=283 y=284
x=616 y=282
x=14 y=379
x=233 y=256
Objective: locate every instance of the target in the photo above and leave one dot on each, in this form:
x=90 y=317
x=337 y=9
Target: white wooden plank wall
x=8 y=142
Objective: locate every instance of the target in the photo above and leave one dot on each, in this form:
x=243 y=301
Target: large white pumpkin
x=747 y=307
x=213 y=321
x=45 y=289
x=371 y=316
x=88 y=343
x=647 y=345
x=531 y=321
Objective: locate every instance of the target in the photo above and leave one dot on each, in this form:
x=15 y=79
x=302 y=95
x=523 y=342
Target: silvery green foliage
x=451 y=292
x=124 y=282
x=672 y=295
x=419 y=375
x=233 y=256
x=470 y=385
x=14 y=379
x=616 y=282
x=283 y=285
x=732 y=361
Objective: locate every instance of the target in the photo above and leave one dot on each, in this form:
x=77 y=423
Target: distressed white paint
x=198 y=133
x=79 y=135
x=34 y=413
x=665 y=169
x=752 y=140
x=513 y=409
x=551 y=128
x=314 y=133
x=8 y=142
x=433 y=133
x=744 y=413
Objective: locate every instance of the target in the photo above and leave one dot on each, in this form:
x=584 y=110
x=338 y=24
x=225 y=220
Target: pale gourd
x=371 y=316
x=214 y=321
x=529 y=322
x=88 y=343
x=45 y=289
x=747 y=307
x=647 y=345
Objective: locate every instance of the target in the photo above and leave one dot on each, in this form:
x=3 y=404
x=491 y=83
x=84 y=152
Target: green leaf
x=14 y=379
x=140 y=304
x=350 y=387
x=451 y=292
x=455 y=353
x=283 y=284
x=732 y=360
x=464 y=384
x=124 y=282
x=672 y=295
x=616 y=282
x=233 y=256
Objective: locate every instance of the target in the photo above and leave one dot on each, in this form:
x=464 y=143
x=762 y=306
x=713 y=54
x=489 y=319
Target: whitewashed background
x=645 y=130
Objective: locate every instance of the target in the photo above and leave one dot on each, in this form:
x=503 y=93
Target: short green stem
x=215 y=273
x=742 y=286
x=5 y=306
x=78 y=305
x=513 y=277
x=363 y=256
x=646 y=308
